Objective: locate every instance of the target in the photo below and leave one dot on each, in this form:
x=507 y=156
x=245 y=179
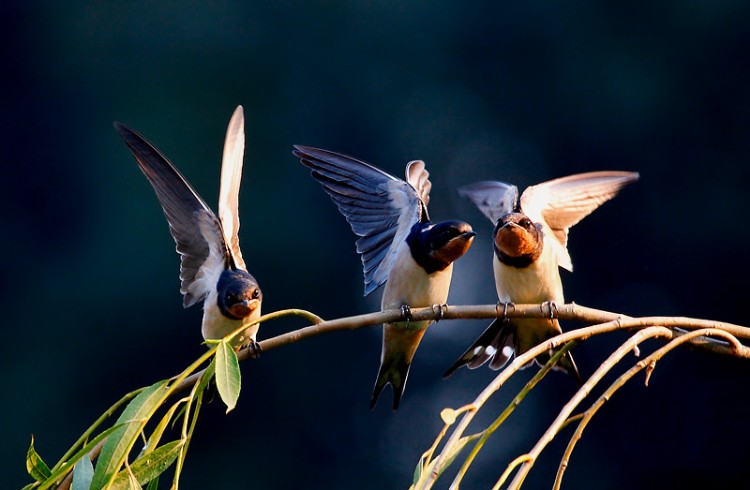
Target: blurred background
x=491 y=90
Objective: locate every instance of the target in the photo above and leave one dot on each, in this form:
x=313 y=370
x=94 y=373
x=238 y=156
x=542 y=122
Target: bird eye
x=256 y=293
x=526 y=223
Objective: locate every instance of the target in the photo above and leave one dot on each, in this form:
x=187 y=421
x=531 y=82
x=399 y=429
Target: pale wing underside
x=494 y=199
x=380 y=208
x=419 y=178
x=194 y=227
x=231 y=175
x=561 y=203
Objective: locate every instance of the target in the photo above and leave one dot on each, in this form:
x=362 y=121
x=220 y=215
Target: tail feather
x=492 y=345
x=565 y=364
x=399 y=346
x=538 y=331
x=394 y=374
x=503 y=339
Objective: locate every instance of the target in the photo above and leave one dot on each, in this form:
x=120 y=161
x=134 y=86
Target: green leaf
x=206 y=377
x=37 y=468
x=155 y=438
x=119 y=442
x=131 y=482
x=83 y=472
x=196 y=401
x=148 y=467
x=64 y=467
x=453 y=452
x=456 y=450
x=227 y=375
x=418 y=471
x=153 y=484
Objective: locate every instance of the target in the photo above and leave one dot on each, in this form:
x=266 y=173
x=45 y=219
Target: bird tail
x=500 y=342
x=566 y=364
x=399 y=346
x=497 y=343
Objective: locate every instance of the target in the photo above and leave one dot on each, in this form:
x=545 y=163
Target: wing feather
x=380 y=208
x=195 y=228
x=494 y=199
x=561 y=203
x=418 y=177
x=229 y=190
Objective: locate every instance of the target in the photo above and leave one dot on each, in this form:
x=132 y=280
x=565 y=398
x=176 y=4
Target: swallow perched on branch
x=530 y=244
x=399 y=246
x=211 y=264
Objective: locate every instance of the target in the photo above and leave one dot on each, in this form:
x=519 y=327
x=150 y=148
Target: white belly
x=536 y=283
x=409 y=284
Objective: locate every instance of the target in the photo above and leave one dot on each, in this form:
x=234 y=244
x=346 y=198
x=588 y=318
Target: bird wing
x=231 y=175
x=561 y=203
x=380 y=208
x=494 y=199
x=195 y=228
x=418 y=177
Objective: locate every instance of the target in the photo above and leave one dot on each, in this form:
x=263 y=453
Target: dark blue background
x=487 y=90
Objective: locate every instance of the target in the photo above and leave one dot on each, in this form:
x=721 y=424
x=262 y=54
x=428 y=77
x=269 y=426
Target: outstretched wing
x=380 y=208
x=195 y=228
x=419 y=178
x=229 y=191
x=494 y=199
x=561 y=203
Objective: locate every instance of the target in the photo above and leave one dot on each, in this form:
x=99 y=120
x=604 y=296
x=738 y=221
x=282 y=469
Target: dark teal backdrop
x=513 y=91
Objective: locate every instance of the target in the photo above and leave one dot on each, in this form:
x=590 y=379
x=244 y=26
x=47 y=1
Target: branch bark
x=672 y=328
x=605 y=321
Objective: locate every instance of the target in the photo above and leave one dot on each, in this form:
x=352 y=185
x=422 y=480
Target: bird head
x=239 y=294
x=517 y=236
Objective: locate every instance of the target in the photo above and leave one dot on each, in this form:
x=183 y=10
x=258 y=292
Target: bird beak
x=245 y=308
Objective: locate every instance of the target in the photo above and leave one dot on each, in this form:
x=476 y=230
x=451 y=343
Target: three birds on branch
x=399 y=245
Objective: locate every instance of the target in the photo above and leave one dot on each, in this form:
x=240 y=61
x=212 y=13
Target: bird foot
x=552 y=309
x=406 y=312
x=509 y=306
x=439 y=310
x=254 y=349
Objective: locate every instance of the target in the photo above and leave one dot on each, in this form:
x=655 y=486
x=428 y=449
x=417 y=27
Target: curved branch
x=605 y=321
x=582 y=393
x=646 y=363
x=575 y=312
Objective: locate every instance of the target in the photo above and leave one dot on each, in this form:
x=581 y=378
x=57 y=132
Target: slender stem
x=108 y=413
x=508 y=410
x=607 y=321
x=520 y=459
x=576 y=312
x=620 y=382
x=603 y=369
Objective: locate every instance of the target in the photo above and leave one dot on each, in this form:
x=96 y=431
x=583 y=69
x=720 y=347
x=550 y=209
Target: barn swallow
x=211 y=264
x=530 y=245
x=399 y=246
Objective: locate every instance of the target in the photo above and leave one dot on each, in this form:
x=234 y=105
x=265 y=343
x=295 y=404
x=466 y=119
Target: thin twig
x=620 y=382
x=583 y=392
x=576 y=312
x=607 y=321
x=508 y=410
